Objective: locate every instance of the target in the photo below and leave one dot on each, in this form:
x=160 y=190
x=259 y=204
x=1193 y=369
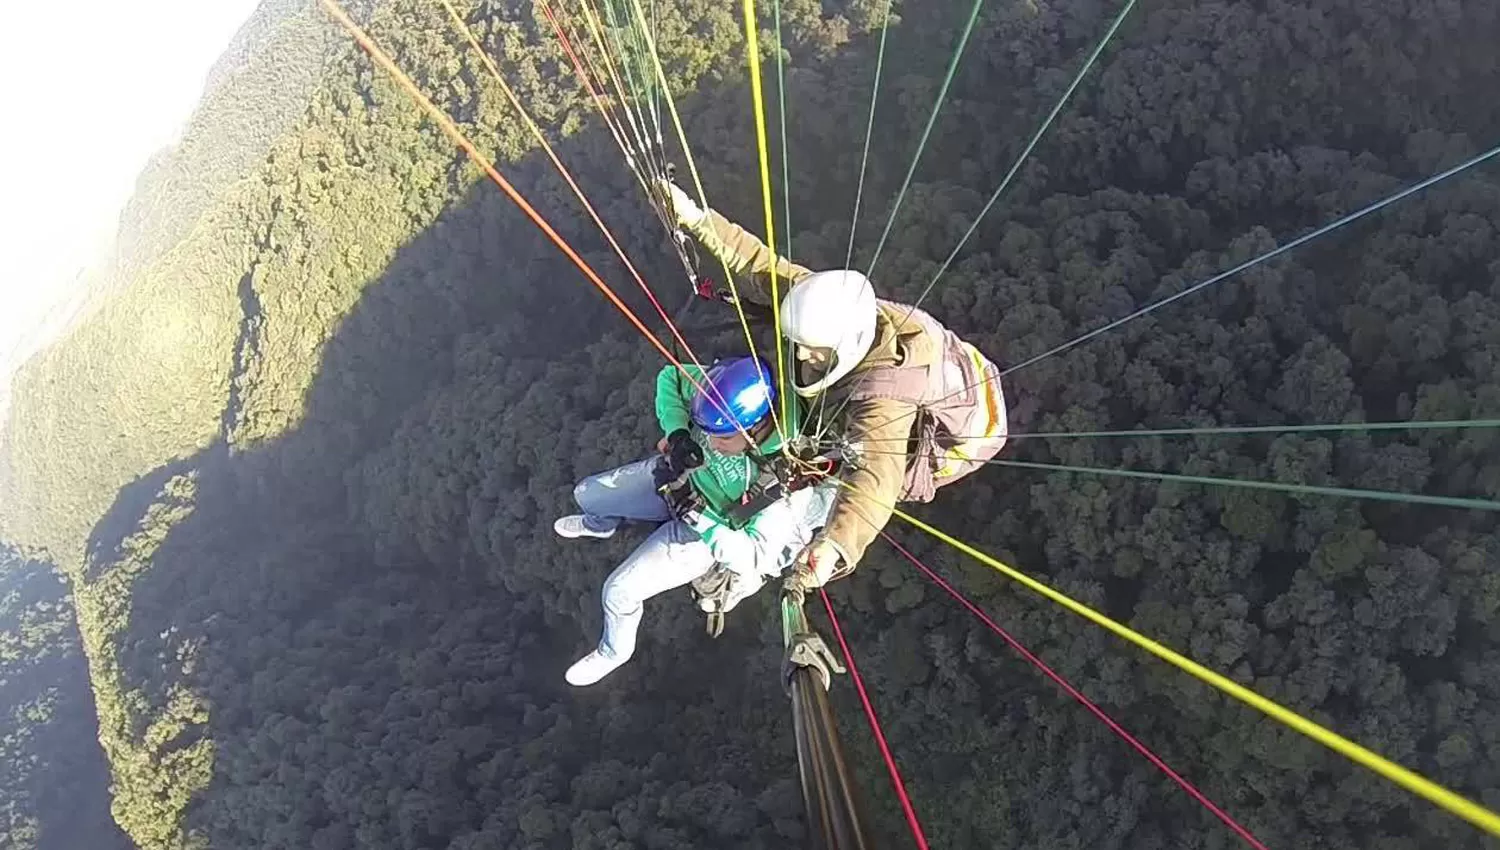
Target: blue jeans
x=670 y=557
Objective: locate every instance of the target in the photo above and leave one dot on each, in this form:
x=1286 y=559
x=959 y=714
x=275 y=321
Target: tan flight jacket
x=882 y=426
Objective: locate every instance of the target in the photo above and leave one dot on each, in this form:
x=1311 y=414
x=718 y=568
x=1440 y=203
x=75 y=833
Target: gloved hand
x=682 y=452
x=686 y=211
x=817 y=565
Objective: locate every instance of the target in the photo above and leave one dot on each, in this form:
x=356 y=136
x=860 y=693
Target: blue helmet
x=737 y=395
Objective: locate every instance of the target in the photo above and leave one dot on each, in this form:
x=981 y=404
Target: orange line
x=541 y=139
x=463 y=142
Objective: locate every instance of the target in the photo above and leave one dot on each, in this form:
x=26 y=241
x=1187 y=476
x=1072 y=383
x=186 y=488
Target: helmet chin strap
x=758 y=428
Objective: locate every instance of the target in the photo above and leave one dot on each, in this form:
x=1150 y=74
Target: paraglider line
x=1015 y=169
x=541 y=139
x=453 y=132
x=1273 y=486
x=885 y=749
x=752 y=51
x=1335 y=427
x=1078 y=695
x=937 y=107
x=864 y=159
x=1248 y=264
x=687 y=154
x=1417 y=784
x=586 y=78
x=1302 y=240
x=620 y=78
x=786 y=165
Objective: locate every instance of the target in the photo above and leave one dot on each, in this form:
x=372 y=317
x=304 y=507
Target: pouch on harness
x=961 y=420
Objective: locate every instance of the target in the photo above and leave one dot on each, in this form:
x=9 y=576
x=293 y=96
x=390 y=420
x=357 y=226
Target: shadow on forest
x=266 y=603
x=54 y=769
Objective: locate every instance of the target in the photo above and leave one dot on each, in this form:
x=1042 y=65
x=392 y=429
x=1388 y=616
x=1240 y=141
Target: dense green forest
x=53 y=778
x=300 y=472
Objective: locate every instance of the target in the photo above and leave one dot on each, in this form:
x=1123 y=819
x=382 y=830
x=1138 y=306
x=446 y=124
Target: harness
x=779 y=476
x=960 y=419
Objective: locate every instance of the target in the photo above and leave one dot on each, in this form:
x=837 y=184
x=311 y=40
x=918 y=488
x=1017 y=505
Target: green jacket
x=723 y=479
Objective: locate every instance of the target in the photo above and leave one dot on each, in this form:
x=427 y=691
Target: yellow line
x=1427 y=789
x=752 y=48
x=687 y=153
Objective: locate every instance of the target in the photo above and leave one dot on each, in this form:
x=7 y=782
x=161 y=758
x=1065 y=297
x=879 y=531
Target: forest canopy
x=299 y=473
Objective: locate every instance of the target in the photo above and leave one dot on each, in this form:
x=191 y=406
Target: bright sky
x=90 y=90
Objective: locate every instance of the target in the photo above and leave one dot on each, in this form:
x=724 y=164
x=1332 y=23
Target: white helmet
x=834 y=310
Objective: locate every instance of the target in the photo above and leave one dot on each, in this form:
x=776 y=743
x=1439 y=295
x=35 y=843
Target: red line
x=584 y=75
x=562 y=37
x=582 y=199
x=885 y=750
x=1083 y=700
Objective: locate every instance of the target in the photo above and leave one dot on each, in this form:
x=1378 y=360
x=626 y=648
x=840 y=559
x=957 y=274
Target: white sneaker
x=591 y=668
x=582 y=525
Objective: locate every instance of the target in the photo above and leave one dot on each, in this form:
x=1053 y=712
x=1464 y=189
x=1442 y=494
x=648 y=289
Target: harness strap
x=778 y=480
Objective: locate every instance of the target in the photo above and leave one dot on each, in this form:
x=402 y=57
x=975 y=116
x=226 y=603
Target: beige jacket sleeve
x=864 y=507
x=748 y=258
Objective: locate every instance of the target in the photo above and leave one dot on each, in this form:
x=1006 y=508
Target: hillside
x=300 y=471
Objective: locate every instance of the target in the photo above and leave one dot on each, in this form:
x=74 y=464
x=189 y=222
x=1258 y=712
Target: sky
x=91 y=90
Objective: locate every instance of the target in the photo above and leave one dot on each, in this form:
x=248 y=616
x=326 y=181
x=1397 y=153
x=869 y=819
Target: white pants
x=671 y=557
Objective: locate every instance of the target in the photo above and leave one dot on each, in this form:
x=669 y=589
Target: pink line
x=1078 y=695
x=885 y=750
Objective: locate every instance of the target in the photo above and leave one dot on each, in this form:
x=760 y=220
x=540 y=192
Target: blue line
x=1276 y=252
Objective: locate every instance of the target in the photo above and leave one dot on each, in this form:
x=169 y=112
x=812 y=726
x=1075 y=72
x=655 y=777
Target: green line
x=1297 y=489
x=931 y=120
x=1015 y=168
x=786 y=167
x=864 y=159
x=636 y=87
x=1026 y=153
x=1413 y=425
x=687 y=154
x=821 y=402
x=596 y=32
x=638 y=35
